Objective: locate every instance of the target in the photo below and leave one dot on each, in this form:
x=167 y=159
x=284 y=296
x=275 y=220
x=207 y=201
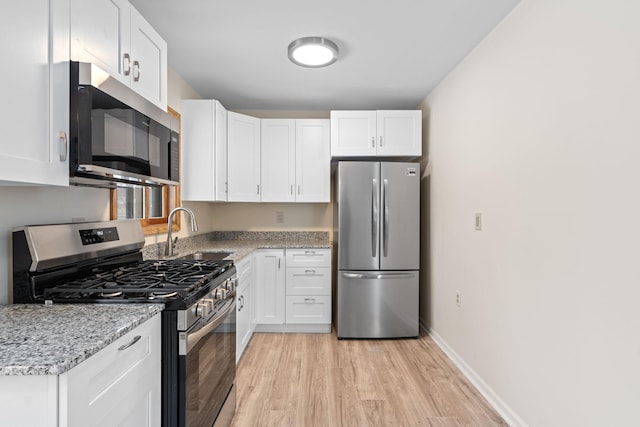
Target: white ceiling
x=392 y=52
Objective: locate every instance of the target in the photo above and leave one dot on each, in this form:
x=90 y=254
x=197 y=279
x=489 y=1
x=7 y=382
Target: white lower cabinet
x=307 y=309
x=270 y=287
x=245 y=305
x=119 y=385
x=294 y=290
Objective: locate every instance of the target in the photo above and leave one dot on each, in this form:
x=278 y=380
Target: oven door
x=208 y=361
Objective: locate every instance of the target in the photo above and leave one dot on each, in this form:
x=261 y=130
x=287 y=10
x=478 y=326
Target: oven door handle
x=188 y=340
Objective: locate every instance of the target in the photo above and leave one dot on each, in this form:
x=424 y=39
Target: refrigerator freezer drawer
x=377 y=304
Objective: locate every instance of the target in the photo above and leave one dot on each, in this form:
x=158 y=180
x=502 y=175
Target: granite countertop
x=37 y=339
x=240 y=244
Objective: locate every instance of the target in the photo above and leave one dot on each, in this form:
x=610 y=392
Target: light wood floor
x=316 y=380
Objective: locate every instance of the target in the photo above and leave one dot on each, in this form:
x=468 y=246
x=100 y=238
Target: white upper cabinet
x=148 y=61
x=313 y=161
x=113 y=35
x=386 y=133
x=295 y=160
x=353 y=133
x=278 y=160
x=203 y=144
x=35 y=151
x=243 y=157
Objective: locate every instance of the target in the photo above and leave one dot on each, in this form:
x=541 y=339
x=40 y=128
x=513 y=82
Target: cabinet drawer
x=308 y=257
x=118 y=376
x=308 y=309
x=308 y=281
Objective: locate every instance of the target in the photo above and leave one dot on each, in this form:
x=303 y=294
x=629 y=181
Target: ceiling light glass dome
x=313 y=52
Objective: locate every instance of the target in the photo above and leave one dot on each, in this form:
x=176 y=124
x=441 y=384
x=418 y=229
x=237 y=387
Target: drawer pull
x=309 y=252
x=133 y=341
x=309 y=272
x=309 y=300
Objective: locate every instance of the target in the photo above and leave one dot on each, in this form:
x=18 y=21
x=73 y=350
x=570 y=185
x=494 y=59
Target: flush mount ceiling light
x=313 y=52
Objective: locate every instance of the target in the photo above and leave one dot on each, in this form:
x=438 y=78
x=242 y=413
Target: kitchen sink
x=212 y=256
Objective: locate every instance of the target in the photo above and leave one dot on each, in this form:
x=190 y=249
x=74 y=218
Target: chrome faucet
x=168 y=249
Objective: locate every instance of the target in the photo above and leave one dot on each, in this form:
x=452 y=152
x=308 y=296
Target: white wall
x=538 y=129
x=42 y=205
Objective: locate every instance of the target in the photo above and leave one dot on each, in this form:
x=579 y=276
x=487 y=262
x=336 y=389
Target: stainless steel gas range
x=101 y=262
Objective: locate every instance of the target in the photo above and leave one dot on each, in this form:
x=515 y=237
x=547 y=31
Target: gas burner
x=143 y=281
x=162 y=295
x=109 y=294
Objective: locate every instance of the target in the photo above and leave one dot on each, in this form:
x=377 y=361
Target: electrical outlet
x=279 y=217
x=478 y=221
x=458 y=299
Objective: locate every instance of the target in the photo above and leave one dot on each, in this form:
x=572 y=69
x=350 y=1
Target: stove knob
x=230 y=285
x=202 y=309
x=220 y=293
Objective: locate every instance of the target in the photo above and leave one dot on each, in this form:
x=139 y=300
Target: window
x=149 y=204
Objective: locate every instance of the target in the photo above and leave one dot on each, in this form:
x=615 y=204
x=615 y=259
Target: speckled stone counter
x=241 y=244
x=49 y=340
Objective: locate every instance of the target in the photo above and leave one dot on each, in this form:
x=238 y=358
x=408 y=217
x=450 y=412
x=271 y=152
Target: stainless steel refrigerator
x=378 y=220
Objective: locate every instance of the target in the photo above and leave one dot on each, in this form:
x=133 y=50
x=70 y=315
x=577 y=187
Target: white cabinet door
x=124 y=375
x=245 y=316
x=100 y=34
x=399 y=133
x=149 y=61
x=313 y=161
x=385 y=133
x=353 y=133
x=278 y=160
x=203 y=147
x=270 y=287
x=36 y=81
x=243 y=153
x=113 y=35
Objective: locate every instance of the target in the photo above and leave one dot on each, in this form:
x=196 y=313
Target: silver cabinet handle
x=292 y=189
x=126 y=64
x=136 y=75
x=374 y=218
x=309 y=252
x=385 y=219
x=373 y=142
x=226 y=187
x=133 y=341
x=309 y=300
x=309 y=272
x=258 y=189
x=380 y=140
x=278 y=262
x=298 y=190
x=62 y=141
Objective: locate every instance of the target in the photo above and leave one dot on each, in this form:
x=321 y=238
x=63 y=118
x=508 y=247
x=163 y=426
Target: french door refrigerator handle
x=374 y=218
x=385 y=219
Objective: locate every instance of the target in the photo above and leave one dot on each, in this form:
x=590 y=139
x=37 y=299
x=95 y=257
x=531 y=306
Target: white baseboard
x=508 y=414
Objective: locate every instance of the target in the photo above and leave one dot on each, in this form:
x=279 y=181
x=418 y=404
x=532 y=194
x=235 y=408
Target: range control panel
x=99 y=235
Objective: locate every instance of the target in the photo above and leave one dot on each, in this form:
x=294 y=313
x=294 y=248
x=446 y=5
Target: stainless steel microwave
x=115 y=135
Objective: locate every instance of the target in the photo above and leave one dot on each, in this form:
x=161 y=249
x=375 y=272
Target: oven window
x=210 y=373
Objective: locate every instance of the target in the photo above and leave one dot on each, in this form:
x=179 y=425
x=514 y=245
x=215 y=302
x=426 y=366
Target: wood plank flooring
x=316 y=380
